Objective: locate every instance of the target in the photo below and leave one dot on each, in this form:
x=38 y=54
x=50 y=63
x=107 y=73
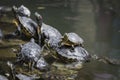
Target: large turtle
x=72 y=39
x=30 y=53
x=25 y=25
x=48 y=32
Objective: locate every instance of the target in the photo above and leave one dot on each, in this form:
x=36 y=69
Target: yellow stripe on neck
x=15 y=22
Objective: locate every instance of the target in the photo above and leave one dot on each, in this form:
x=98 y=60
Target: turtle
x=72 y=58
x=47 y=32
x=79 y=53
x=26 y=27
x=72 y=39
x=31 y=53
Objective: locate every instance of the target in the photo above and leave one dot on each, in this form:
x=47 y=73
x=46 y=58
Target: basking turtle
x=75 y=57
x=26 y=27
x=48 y=32
x=30 y=53
x=79 y=53
x=72 y=39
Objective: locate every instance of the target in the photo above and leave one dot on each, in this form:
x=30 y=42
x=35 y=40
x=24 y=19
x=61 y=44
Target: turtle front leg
x=39 y=36
x=31 y=66
x=39 y=40
x=72 y=48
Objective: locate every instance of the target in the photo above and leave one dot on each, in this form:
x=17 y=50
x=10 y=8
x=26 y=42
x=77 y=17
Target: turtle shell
x=67 y=55
x=28 y=26
x=72 y=39
x=31 y=51
x=50 y=32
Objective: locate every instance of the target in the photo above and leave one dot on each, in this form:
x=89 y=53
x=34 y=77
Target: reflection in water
x=93 y=21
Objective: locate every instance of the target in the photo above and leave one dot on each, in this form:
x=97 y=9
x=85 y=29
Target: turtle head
x=24 y=11
x=32 y=40
x=64 y=39
x=42 y=65
x=14 y=9
x=39 y=18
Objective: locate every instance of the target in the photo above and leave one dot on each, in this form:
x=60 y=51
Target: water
x=79 y=18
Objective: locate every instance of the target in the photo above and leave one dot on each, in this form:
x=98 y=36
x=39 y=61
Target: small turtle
x=30 y=53
x=48 y=32
x=72 y=39
x=25 y=25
